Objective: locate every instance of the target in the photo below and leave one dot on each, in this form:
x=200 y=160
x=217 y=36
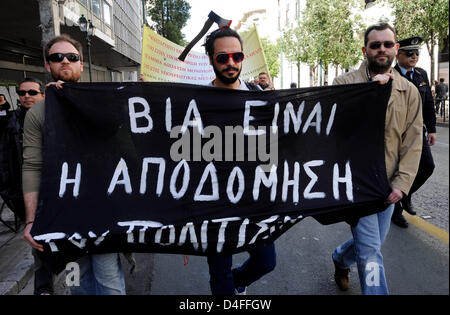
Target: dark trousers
x=223 y=280
x=43 y=275
x=426 y=168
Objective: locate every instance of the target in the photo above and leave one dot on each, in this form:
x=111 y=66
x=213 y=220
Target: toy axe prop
x=212 y=18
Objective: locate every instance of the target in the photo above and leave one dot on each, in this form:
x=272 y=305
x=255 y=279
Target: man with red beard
x=225 y=51
x=99 y=274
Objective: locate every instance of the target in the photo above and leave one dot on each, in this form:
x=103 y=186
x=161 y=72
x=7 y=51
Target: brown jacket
x=403 y=130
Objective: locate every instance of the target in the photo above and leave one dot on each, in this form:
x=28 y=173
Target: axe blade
x=212 y=18
x=221 y=22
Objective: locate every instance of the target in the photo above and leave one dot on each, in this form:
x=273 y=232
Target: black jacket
x=11 y=153
x=11 y=162
x=5 y=106
x=420 y=80
x=441 y=91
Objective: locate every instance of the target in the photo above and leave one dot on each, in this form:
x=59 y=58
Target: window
x=107 y=13
x=84 y=2
x=96 y=8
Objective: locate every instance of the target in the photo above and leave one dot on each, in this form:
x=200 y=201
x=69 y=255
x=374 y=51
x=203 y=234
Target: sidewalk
x=16 y=260
x=440 y=121
x=17 y=265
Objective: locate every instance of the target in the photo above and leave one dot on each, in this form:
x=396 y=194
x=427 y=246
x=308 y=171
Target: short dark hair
x=34 y=80
x=220 y=33
x=441 y=80
x=265 y=73
x=378 y=27
x=64 y=38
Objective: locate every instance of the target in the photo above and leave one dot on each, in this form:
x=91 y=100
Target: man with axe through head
x=225 y=50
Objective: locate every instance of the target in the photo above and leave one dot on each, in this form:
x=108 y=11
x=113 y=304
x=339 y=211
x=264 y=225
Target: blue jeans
x=223 y=280
x=364 y=248
x=100 y=275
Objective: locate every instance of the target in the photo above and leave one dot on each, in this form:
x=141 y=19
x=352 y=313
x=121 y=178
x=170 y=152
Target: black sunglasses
x=222 y=59
x=377 y=45
x=410 y=53
x=30 y=92
x=58 y=57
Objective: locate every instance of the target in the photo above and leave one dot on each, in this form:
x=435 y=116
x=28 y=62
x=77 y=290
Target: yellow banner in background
x=160 y=61
x=255 y=60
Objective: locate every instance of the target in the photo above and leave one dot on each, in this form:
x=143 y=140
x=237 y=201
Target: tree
x=425 y=18
x=328 y=34
x=345 y=39
x=272 y=53
x=297 y=48
x=169 y=17
x=335 y=29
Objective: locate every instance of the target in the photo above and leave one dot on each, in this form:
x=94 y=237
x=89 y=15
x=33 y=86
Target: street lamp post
x=86 y=26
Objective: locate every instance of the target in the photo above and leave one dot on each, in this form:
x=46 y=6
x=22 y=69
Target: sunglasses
x=377 y=45
x=410 y=53
x=58 y=57
x=222 y=59
x=30 y=92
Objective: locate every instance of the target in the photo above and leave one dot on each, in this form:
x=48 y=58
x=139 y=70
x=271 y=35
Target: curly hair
x=219 y=33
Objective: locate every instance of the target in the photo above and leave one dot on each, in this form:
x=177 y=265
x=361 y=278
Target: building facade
x=283 y=14
x=26 y=26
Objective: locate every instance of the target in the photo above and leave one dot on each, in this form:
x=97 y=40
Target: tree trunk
x=48 y=26
x=430 y=48
x=312 y=75
x=298 y=74
x=318 y=69
x=168 y=11
x=163 y=28
x=432 y=75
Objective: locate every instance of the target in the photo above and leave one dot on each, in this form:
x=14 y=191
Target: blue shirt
x=403 y=70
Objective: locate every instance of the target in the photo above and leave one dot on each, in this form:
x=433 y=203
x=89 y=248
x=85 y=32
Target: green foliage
x=425 y=18
x=169 y=17
x=329 y=32
x=272 y=53
x=297 y=47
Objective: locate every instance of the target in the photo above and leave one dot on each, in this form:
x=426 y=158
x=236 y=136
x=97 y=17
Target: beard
x=225 y=79
x=377 y=66
x=66 y=77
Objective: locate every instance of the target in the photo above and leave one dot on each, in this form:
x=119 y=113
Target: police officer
x=407 y=58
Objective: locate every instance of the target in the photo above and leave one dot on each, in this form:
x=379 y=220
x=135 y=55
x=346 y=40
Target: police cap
x=410 y=43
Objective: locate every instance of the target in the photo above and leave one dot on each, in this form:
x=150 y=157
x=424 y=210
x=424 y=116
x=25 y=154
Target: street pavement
x=415 y=262
x=432 y=198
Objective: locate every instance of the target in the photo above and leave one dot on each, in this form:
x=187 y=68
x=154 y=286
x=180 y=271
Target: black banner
x=242 y=168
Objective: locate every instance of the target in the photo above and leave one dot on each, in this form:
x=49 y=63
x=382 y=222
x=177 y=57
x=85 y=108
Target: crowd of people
x=409 y=132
